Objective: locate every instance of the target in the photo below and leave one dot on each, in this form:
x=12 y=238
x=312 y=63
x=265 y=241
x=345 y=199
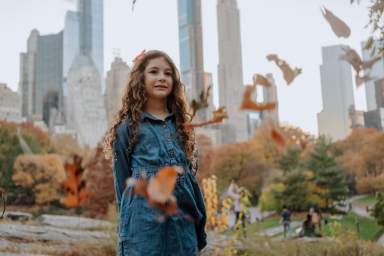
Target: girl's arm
x=121 y=164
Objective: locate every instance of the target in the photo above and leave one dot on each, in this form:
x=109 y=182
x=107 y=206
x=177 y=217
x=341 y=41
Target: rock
x=73 y=222
x=47 y=233
x=18 y=216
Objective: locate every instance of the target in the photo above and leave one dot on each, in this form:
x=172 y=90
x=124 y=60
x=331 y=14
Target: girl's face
x=158 y=81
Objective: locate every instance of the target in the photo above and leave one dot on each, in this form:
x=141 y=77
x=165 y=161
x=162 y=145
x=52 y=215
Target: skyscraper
x=230 y=71
x=71 y=43
x=191 y=48
x=41 y=74
x=91 y=30
x=270 y=95
x=337 y=94
x=377 y=72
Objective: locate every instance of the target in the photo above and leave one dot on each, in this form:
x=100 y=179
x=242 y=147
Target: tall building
x=41 y=75
x=337 y=94
x=116 y=82
x=91 y=20
x=375 y=118
x=191 y=48
x=230 y=71
x=377 y=71
x=86 y=115
x=71 y=43
x=270 y=95
x=27 y=75
x=10 y=104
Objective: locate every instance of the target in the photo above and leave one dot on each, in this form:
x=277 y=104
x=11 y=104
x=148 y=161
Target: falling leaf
x=202 y=102
x=218 y=117
x=158 y=191
x=370 y=63
x=249 y=104
x=277 y=137
x=162 y=185
x=139 y=56
x=261 y=80
x=339 y=27
x=352 y=57
x=359 y=80
x=289 y=74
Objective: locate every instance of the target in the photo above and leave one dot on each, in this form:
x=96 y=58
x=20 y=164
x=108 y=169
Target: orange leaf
x=161 y=186
x=139 y=56
x=261 y=80
x=277 y=137
x=249 y=104
x=218 y=117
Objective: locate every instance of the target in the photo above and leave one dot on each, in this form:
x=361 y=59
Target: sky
x=293 y=29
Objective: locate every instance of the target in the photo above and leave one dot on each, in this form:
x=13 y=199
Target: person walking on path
x=286 y=220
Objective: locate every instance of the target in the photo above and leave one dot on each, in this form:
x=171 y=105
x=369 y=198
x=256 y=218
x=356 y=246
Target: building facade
x=85 y=102
x=191 y=49
x=10 y=104
x=116 y=82
x=337 y=94
x=230 y=71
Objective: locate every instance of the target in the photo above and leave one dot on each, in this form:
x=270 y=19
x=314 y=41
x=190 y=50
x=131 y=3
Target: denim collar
x=154 y=118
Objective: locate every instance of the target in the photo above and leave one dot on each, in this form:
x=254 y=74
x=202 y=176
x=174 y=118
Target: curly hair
x=134 y=100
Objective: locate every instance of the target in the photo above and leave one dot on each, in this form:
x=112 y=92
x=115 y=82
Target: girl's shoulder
x=122 y=129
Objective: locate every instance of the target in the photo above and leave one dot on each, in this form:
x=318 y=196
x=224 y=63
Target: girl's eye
x=168 y=74
x=153 y=71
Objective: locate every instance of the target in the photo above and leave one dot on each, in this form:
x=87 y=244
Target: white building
x=116 y=82
x=337 y=94
x=230 y=71
x=10 y=104
x=86 y=112
x=377 y=72
x=270 y=95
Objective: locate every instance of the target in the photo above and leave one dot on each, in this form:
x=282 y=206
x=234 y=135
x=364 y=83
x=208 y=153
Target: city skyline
x=297 y=49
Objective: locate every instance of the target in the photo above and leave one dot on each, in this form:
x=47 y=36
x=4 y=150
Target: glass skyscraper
x=191 y=47
x=92 y=32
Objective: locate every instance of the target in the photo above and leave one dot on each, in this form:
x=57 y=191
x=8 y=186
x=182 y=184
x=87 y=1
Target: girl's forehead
x=159 y=62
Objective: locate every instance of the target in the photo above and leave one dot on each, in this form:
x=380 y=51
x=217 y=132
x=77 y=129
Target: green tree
x=329 y=176
x=378 y=209
x=290 y=160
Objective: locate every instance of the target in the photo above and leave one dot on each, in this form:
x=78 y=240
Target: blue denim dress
x=142 y=231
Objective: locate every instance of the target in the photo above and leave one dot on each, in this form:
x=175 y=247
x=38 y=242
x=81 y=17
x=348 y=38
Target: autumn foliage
x=42 y=174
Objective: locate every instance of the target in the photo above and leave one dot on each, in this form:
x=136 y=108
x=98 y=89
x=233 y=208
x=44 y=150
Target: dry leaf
x=261 y=80
x=249 y=104
x=359 y=80
x=289 y=74
x=218 y=117
x=202 y=102
x=339 y=27
x=139 y=56
x=277 y=137
x=161 y=186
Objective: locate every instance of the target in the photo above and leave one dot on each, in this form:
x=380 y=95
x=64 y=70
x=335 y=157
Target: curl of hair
x=133 y=102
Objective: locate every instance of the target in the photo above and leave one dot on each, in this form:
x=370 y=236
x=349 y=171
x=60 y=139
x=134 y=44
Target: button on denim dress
x=142 y=231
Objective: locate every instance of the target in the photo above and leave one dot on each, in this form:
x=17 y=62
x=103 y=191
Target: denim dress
x=143 y=230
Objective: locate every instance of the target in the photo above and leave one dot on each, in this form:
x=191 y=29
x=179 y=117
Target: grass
x=365 y=228
x=367 y=200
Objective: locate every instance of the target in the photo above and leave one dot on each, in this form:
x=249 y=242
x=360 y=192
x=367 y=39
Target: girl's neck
x=157 y=107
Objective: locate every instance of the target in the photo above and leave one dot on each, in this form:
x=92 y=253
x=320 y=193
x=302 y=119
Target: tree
x=41 y=174
x=378 y=209
x=290 y=160
x=328 y=175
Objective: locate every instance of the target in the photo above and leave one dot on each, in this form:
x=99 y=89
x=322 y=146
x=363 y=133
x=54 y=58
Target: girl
x=149 y=133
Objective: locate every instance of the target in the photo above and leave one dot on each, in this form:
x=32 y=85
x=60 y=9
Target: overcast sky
x=293 y=29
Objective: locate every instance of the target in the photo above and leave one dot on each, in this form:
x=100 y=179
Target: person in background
x=286 y=220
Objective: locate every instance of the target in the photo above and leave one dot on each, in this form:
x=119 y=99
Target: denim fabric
x=142 y=230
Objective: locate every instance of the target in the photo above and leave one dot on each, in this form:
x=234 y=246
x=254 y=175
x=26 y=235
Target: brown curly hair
x=133 y=102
